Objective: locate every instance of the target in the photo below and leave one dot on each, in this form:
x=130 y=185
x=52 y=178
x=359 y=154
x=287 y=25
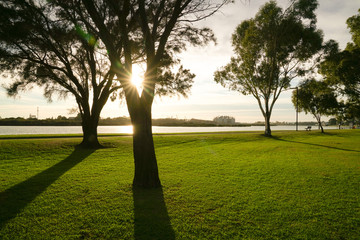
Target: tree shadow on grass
x=151 y=217
x=16 y=198
x=314 y=144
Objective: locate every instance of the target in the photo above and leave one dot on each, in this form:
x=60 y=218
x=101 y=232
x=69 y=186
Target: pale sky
x=207 y=99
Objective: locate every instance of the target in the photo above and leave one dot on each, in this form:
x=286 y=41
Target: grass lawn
x=296 y=185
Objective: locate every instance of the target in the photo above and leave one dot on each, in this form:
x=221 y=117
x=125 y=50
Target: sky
x=207 y=99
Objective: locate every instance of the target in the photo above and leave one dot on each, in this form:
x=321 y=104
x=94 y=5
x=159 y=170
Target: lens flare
x=137 y=77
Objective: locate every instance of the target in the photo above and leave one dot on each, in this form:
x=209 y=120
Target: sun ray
x=137 y=77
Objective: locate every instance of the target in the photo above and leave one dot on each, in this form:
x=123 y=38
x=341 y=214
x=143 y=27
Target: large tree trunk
x=267 y=125
x=90 y=136
x=90 y=119
x=146 y=170
x=139 y=106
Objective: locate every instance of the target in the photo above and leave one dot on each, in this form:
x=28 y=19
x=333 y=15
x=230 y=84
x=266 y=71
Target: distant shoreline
x=158 y=125
x=121 y=121
x=124 y=121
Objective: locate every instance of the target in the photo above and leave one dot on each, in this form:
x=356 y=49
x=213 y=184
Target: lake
x=20 y=130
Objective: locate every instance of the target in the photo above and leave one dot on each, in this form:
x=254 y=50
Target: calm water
x=17 y=130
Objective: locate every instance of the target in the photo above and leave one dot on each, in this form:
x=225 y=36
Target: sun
x=137 y=77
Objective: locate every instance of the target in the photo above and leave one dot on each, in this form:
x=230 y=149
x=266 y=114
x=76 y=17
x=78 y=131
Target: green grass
x=297 y=185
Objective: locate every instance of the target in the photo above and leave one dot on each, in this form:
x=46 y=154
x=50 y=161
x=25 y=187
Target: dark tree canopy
x=270 y=50
x=316 y=98
x=76 y=46
x=342 y=69
x=149 y=32
x=38 y=46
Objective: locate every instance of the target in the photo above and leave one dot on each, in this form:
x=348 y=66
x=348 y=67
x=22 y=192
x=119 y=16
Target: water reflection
x=116 y=129
x=17 y=130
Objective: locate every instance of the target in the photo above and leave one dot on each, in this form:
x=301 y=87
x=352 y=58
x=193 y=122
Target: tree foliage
x=342 y=69
x=316 y=98
x=270 y=50
x=38 y=46
x=150 y=32
x=76 y=45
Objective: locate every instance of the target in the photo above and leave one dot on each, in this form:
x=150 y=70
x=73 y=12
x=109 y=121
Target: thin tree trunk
x=146 y=169
x=318 y=118
x=321 y=127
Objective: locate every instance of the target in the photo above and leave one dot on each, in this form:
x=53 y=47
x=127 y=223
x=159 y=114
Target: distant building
x=31 y=116
x=224 y=120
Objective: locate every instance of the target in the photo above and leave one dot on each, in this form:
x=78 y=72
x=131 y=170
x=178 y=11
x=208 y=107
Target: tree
x=332 y=121
x=341 y=69
x=317 y=98
x=270 y=50
x=42 y=48
x=224 y=120
x=152 y=32
x=348 y=111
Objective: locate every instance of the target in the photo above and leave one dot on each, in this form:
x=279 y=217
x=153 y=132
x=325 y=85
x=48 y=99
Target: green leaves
x=271 y=49
x=341 y=69
x=315 y=97
x=306 y=9
x=354 y=26
x=170 y=83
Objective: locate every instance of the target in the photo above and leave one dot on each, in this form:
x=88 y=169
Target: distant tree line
x=63 y=121
x=122 y=121
x=35 y=122
x=224 y=120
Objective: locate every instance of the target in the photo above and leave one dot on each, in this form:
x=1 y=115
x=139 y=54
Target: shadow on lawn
x=314 y=144
x=151 y=217
x=16 y=198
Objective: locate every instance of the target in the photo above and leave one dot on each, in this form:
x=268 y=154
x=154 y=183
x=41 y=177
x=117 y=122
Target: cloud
x=332 y=16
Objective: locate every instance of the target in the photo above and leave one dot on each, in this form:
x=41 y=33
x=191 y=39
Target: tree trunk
x=267 y=125
x=90 y=137
x=146 y=170
x=321 y=127
x=318 y=118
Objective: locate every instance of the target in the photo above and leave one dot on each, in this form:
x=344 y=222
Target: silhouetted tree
x=40 y=47
x=317 y=98
x=151 y=32
x=342 y=69
x=270 y=50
